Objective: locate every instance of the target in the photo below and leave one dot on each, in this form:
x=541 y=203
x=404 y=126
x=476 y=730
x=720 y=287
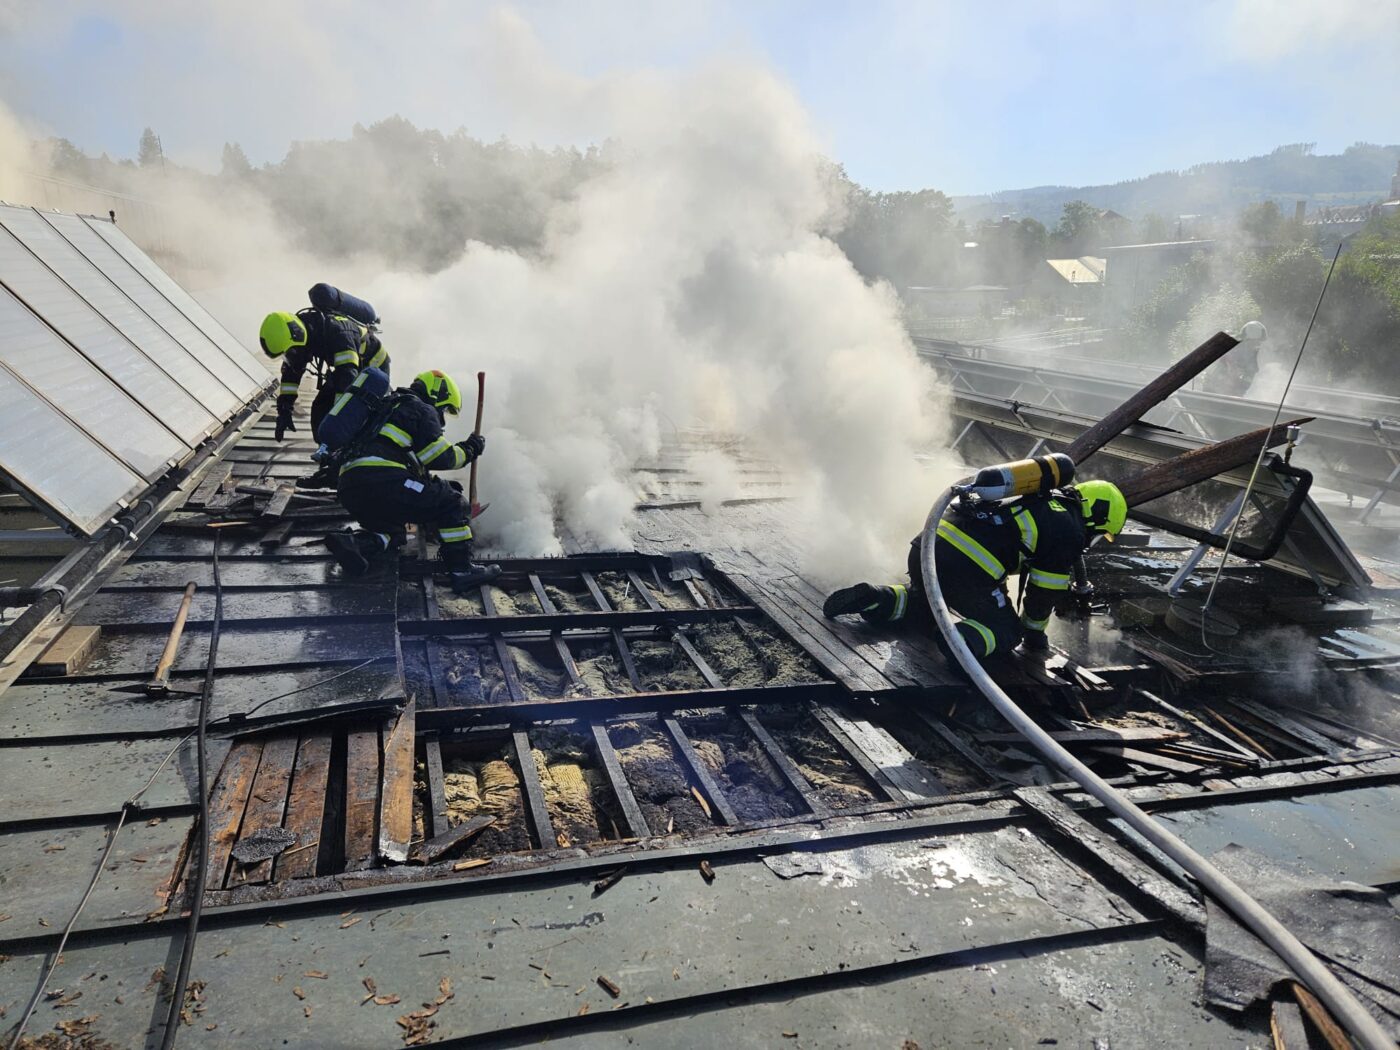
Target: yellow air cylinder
x=1025 y=477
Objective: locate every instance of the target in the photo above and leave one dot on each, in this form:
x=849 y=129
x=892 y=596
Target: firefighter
x=385 y=480
x=1039 y=536
x=335 y=340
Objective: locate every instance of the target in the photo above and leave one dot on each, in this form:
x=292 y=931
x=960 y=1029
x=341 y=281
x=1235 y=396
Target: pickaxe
x=159 y=685
x=477 y=508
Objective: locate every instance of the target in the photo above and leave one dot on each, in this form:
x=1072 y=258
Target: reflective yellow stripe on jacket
x=985 y=559
x=1030 y=531
x=381 y=355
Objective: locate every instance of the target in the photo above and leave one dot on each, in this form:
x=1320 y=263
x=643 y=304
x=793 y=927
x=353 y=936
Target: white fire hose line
x=1344 y=1006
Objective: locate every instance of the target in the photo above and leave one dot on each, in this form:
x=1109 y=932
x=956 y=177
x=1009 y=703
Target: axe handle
x=480 y=403
x=172 y=644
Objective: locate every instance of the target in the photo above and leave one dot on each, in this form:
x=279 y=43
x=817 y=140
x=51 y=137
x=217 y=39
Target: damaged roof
x=654 y=795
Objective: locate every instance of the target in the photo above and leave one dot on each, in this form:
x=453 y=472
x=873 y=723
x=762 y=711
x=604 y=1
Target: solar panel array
x=110 y=372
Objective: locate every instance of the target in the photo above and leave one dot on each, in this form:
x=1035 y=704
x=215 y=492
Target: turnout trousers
x=989 y=622
x=383 y=500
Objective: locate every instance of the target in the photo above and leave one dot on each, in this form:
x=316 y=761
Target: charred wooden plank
x=1151 y=395
x=643 y=591
x=1090 y=736
x=836 y=727
x=306 y=807
x=437 y=785
x=435 y=847
x=361 y=797
x=267 y=802
x=707 y=672
x=281 y=498
x=226 y=805
x=785 y=765
x=599 y=598
x=1201 y=464
x=1077 y=830
x=632 y=815
x=396 y=794
x=705 y=781
x=541 y=824
x=503 y=653
x=1147 y=758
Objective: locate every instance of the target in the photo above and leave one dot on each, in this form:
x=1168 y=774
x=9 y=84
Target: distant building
x=1133 y=272
x=1072 y=285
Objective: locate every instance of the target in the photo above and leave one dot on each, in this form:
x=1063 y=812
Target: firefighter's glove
x=473 y=447
x=1035 y=642
x=284 y=421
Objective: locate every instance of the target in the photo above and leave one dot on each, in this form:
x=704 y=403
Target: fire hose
x=1310 y=970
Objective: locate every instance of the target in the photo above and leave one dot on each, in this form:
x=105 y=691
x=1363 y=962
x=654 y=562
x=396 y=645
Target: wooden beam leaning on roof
x=1203 y=463
x=1150 y=396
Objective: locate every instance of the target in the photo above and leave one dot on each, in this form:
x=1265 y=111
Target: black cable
x=182 y=976
x=129 y=806
x=1263 y=450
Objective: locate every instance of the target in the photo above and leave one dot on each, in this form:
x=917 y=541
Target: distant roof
x=1086 y=270
x=1158 y=244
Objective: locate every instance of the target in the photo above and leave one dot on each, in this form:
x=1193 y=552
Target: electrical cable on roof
x=1263 y=451
x=128 y=808
x=182 y=976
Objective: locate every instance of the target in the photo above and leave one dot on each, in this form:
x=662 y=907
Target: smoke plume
x=689 y=282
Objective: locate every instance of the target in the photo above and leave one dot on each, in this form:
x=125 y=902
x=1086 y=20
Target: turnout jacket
x=340 y=342
x=1037 y=535
x=410 y=440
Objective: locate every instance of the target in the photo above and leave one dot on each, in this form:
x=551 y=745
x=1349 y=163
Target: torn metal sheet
x=1349 y=925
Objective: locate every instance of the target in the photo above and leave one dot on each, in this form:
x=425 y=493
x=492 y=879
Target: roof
x=650 y=794
x=1085 y=270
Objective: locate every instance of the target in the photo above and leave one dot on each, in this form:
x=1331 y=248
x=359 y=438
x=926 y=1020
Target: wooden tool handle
x=480 y=403
x=172 y=644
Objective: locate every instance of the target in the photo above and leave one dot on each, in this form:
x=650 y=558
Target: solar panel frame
x=50 y=285
x=101 y=253
x=181 y=300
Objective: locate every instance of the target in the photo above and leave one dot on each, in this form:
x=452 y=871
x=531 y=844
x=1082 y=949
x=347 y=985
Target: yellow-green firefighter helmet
x=440 y=390
x=1103 y=506
x=280 y=332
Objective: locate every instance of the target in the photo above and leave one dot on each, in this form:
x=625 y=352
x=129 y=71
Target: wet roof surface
x=826 y=845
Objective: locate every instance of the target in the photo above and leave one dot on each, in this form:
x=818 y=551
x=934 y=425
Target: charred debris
x=626 y=793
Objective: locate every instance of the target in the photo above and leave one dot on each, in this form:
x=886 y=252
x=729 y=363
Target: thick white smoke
x=689 y=284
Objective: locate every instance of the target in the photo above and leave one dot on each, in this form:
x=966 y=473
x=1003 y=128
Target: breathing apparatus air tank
x=331 y=299
x=1025 y=477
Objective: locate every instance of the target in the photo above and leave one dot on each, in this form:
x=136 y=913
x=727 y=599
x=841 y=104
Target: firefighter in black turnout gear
x=336 y=341
x=980 y=544
x=385 y=478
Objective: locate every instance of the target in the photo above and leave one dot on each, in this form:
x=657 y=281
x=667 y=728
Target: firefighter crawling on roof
x=385 y=444
x=336 y=331
x=980 y=544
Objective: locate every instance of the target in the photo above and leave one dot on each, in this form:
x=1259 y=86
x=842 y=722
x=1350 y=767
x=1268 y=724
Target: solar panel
x=31 y=351
x=101 y=252
x=66 y=471
x=110 y=374
x=56 y=292
x=250 y=364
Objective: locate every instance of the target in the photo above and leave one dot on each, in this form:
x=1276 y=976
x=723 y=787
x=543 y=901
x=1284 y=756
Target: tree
x=235 y=162
x=149 y=153
x=1262 y=224
x=1153 y=229
x=1077 y=228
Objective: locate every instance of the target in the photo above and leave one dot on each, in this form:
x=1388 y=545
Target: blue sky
x=963 y=97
